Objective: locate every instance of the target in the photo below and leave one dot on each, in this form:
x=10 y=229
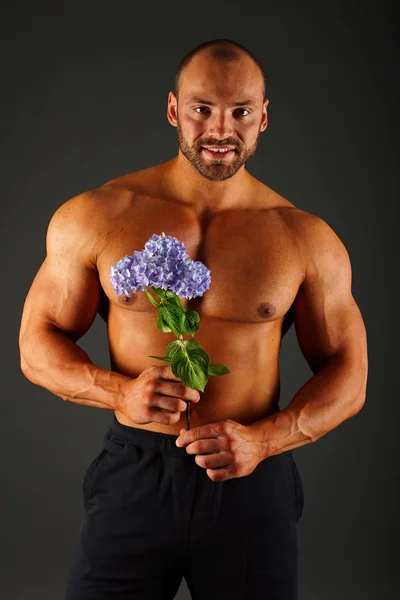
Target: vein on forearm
x=333 y=395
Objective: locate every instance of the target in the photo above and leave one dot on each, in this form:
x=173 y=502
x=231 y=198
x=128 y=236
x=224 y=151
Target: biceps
x=327 y=322
x=65 y=296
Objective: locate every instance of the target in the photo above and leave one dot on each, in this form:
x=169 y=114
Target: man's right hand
x=157 y=396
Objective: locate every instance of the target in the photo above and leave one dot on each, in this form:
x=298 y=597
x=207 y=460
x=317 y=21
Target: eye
x=197 y=108
x=245 y=109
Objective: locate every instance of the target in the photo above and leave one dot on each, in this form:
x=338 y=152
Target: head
x=218 y=101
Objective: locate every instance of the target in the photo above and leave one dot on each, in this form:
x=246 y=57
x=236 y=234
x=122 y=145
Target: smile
x=219 y=154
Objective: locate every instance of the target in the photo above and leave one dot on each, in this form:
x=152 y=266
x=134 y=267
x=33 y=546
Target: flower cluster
x=164 y=263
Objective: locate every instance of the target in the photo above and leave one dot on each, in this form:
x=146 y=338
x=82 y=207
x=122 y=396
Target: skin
x=272 y=265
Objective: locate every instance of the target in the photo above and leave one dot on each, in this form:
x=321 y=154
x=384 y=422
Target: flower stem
x=188 y=405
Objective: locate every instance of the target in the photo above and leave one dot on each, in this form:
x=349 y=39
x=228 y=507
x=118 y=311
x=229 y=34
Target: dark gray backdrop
x=84 y=100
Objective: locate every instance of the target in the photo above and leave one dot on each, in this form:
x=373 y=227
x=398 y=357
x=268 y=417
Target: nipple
x=127 y=300
x=266 y=309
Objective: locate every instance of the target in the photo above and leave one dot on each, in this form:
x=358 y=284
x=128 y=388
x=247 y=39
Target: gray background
x=84 y=100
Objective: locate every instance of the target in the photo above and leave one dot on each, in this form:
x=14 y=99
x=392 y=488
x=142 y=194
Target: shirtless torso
x=255 y=255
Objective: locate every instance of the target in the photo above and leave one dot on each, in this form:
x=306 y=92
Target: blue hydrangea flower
x=164 y=263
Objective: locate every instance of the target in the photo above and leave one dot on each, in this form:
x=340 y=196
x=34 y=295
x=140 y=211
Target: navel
x=266 y=309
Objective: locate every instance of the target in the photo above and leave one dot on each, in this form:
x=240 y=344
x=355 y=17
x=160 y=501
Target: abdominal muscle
x=249 y=393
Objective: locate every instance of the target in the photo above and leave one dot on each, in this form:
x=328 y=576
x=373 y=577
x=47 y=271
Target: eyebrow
x=199 y=100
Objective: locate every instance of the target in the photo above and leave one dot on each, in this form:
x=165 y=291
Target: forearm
x=331 y=396
x=53 y=361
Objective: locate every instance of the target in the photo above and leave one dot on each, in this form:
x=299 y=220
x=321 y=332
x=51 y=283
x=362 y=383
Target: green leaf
x=159 y=357
x=172 y=317
x=189 y=322
x=175 y=298
x=162 y=324
x=160 y=292
x=192 y=344
x=190 y=364
x=173 y=348
x=152 y=300
x=218 y=370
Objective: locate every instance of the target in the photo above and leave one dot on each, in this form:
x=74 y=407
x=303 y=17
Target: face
x=220 y=105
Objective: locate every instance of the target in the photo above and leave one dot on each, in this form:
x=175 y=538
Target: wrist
x=110 y=387
x=265 y=434
x=124 y=391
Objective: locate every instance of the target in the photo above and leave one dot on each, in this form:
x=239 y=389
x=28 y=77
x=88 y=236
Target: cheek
x=191 y=128
x=249 y=134
x=196 y=128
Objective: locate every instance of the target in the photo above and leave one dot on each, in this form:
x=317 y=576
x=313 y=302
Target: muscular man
x=222 y=507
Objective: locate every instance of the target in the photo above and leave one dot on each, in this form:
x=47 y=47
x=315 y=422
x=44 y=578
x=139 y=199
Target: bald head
x=224 y=53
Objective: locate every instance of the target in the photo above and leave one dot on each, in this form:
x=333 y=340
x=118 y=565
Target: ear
x=264 y=121
x=172 y=109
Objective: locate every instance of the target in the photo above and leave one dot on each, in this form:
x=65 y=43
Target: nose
x=220 y=126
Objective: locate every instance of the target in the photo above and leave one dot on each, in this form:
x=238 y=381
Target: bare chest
x=256 y=268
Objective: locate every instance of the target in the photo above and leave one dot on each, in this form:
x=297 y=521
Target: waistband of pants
x=152 y=440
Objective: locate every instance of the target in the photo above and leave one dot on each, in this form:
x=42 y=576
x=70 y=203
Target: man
x=221 y=507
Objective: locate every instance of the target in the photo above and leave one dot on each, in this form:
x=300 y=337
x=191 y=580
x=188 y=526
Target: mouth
x=218 y=153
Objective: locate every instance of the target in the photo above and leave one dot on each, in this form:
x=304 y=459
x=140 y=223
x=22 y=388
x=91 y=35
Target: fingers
x=164 y=417
x=183 y=391
x=213 y=461
x=209 y=446
x=169 y=403
x=166 y=373
x=166 y=396
x=175 y=390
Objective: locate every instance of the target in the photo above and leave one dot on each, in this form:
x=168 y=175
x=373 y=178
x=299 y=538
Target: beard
x=217 y=169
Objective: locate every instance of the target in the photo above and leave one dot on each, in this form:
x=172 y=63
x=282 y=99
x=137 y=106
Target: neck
x=190 y=187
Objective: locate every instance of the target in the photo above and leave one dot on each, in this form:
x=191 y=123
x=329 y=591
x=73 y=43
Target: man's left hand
x=226 y=449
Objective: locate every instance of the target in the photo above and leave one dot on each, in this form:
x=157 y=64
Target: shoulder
x=315 y=239
x=321 y=248
x=98 y=207
x=88 y=219
x=85 y=211
x=315 y=234
x=307 y=226
x=80 y=223
x=142 y=182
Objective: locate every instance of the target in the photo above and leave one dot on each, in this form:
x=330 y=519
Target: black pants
x=153 y=516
